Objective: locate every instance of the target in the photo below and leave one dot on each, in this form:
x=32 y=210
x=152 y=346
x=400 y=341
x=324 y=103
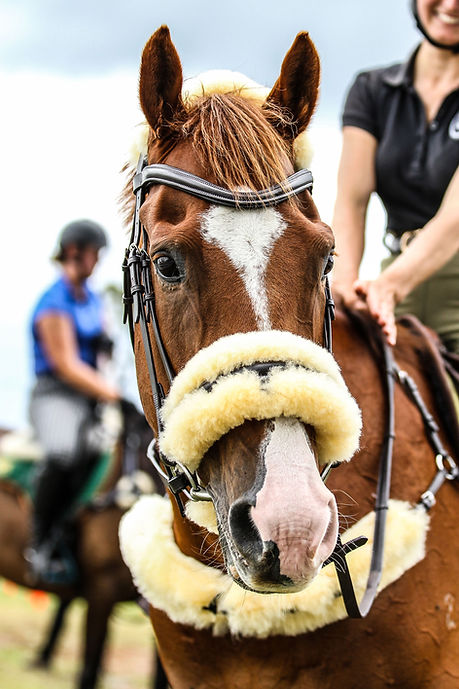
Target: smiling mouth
x=450 y=19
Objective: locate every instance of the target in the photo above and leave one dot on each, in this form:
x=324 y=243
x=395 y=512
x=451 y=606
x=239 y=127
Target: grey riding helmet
x=81 y=233
x=454 y=48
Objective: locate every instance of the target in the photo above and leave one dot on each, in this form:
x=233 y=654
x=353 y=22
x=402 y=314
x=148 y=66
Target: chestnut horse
x=254 y=406
x=104 y=578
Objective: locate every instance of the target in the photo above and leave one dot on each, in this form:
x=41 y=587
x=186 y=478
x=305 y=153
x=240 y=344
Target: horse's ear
x=298 y=84
x=161 y=80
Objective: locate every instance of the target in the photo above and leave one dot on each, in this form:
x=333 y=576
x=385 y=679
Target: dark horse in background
x=104 y=578
x=221 y=273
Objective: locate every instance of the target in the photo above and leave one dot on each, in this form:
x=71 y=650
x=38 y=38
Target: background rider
x=67 y=331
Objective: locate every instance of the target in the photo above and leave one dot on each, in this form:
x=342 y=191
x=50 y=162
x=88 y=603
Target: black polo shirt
x=415 y=160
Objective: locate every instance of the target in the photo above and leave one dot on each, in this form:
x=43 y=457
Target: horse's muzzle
x=290 y=559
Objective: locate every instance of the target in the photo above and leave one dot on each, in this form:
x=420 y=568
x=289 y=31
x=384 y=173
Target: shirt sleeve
x=360 y=108
x=53 y=301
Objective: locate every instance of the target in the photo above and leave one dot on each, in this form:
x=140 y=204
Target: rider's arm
x=431 y=249
x=356 y=182
x=428 y=252
x=58 y=339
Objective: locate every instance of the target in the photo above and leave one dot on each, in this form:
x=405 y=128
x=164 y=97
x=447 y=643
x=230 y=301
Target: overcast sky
x=99 y=37
x=68 y=84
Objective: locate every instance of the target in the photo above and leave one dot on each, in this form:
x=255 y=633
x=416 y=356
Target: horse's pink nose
x=303 y=547
x=285 y=552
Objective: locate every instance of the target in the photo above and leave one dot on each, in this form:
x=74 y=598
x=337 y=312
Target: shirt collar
x=84 y=297
x=402 y=74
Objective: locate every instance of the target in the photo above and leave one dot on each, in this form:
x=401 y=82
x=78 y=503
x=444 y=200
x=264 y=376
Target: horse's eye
x=330 y=262
x=166 y=268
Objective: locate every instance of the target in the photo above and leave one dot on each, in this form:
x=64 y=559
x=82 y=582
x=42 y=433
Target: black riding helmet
x=81 y=233
x=454 y=48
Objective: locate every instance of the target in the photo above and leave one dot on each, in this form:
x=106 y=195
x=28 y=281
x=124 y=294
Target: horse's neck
x=362 y=368
x=116 y=468
x=193 y=657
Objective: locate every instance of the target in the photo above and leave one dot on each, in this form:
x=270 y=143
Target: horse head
x=240 y=294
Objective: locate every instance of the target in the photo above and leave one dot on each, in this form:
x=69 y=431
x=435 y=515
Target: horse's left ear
x=161 y=79
x=298 y=84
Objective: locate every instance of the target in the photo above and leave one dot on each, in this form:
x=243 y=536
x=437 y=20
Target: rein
x=447 y=470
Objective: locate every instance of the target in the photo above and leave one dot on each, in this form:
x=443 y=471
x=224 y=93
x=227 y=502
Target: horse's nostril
x=270 y=553
x=245 y=534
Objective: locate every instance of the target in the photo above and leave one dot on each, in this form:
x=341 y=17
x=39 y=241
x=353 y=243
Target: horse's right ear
x=161 y=80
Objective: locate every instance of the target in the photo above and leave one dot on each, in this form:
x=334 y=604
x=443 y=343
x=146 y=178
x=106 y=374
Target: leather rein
x=139 y=308
x=447 y=470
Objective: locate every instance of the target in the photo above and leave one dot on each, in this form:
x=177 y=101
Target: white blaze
x=247 y=238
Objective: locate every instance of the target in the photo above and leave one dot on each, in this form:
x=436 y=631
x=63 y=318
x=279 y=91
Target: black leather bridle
x=139 y=298
x=139 y=308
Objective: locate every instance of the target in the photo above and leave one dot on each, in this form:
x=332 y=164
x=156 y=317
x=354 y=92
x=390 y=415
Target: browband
x=196 y=186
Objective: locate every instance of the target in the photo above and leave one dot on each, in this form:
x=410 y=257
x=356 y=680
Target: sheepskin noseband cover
x=309 y=387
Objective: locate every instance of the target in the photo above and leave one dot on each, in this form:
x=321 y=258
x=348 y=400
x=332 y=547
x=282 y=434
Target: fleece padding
x=203 y=514
x=184 y=588
x=309 y=388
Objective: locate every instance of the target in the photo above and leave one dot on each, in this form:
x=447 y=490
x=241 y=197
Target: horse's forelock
x=235 y=138
x=232 y=135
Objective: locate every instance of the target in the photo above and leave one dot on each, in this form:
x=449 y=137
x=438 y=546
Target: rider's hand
x=350 y=298
x=109 y=393
x=380 y=300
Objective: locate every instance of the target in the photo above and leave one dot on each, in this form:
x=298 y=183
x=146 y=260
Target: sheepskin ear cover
x=223 y=81
x=202 y=514
x=184 y=588
x=310 y=387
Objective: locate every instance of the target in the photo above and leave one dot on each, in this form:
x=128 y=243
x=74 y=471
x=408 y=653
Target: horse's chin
x=247 y=577
x=252 y=583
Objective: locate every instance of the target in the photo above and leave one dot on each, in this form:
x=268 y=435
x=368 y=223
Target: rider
x=401 y=139
x=67 y=330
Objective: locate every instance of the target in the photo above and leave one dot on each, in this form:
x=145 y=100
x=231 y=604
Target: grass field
x=24 y=616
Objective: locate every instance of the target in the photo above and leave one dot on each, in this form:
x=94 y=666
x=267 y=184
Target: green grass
x=24 y=617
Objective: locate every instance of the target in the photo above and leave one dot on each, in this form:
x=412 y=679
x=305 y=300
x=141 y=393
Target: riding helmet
x=82 y=233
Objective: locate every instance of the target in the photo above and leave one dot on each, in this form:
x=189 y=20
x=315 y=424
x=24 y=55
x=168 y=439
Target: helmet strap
x=453 y=48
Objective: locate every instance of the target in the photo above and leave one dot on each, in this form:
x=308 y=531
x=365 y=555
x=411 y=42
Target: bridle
x=139 y=298
x=139 y=308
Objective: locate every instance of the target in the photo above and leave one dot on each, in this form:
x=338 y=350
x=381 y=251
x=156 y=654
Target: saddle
x=19 y=461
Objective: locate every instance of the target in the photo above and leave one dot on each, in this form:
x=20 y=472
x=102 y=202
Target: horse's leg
x=45 y=653
x=159 y=676
x=97 y=616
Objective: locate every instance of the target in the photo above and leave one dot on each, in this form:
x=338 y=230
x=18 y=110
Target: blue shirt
x=85 y=315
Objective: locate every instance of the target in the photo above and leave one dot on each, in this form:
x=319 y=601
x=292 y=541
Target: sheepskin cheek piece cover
x=309 y=387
